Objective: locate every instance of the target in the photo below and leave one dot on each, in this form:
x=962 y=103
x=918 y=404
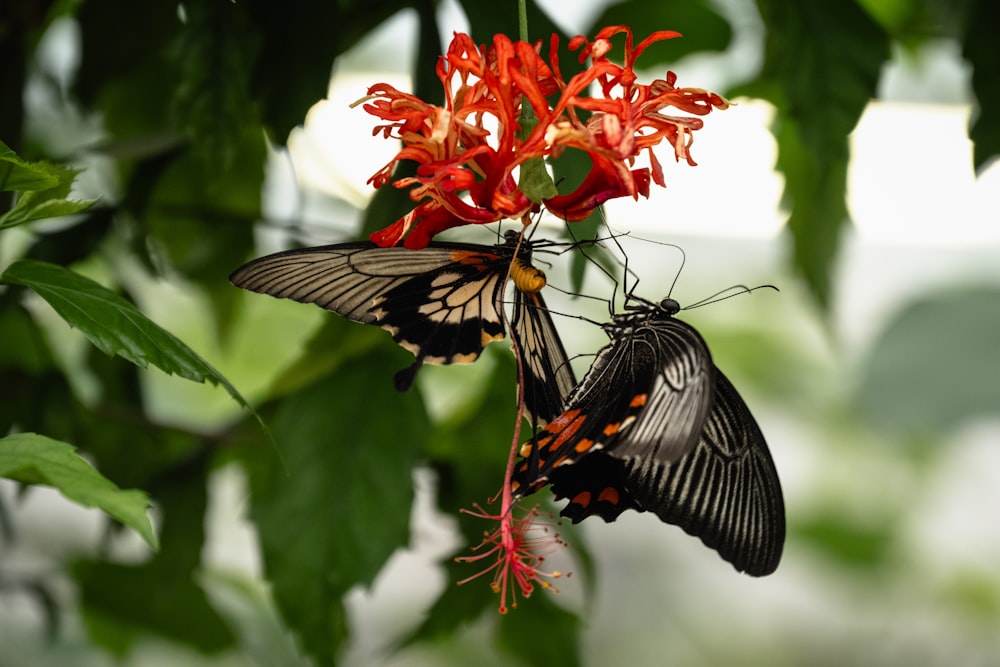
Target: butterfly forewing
x=441 y=303
x=726 y=491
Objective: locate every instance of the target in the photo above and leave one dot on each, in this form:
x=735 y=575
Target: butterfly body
x=655 y=426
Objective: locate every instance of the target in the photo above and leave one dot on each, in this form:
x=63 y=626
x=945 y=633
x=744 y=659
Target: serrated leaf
x=42 y=189
x=113 y=324
x=19 y=175
x=822 y=63
x=819 y=209
x=35 y=459
x=935 y=364
x=339 y=504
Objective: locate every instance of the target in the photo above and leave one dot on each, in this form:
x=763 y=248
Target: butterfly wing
x=646 y=394
x=548 y=376
x=594 y=485
x=726 y=491
x=441 y=303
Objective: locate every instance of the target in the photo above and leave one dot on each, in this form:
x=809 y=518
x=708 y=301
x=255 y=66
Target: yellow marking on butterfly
x=489 y=338
x=526 y=449
x=526 y=278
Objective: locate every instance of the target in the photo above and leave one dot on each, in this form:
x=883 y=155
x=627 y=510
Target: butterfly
x=443 y=303
x=655 y=426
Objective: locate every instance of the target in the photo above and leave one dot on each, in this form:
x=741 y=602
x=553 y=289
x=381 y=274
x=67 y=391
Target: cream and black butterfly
x=443 y=303
x=655 y=426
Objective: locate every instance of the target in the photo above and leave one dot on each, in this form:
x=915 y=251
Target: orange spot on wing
x=639 y=400
x=609 y=494
x=611 y=429
x=471 y=257
x=584 y=445
x=582 y=499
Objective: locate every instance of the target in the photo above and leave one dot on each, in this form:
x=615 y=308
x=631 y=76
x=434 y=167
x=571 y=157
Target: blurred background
x=874 y=372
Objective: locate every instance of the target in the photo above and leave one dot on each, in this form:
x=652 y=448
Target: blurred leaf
x=42 y=189
x=338 y=504
x=936 y=363
x=212 y=54
x=75 y=242
x=457 y=606
x=703 y=29
x=125 y=70
x=561 y=645
x=113 y=324
x=982 y=51
x=24 y=347
x=161 y=597
x=822 y=63
x=469 y=451
x=36 y=459
x=334 y=343
x=848 y=542
x=298 y=48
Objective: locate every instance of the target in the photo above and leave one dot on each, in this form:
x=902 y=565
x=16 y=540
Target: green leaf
x=298 y=48
x=18 y=175
x=981 y=50
x=816 y=191
x=822 y=63
x=703 y=29
x=848 y=542
x=935 y=364
x=113 y=324
x=36 y=459
x=43 y=188
x=340 y=504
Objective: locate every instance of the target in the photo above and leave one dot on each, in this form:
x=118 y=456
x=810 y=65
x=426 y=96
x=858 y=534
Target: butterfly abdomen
x=526 y=277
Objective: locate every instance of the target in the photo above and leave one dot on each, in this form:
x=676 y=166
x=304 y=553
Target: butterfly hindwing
x=593 y=485
x=548 y=376
x=726 y=491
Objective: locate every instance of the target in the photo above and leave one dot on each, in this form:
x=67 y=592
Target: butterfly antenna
x=735 y=290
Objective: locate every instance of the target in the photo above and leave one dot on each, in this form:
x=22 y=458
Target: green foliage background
x=169 y=113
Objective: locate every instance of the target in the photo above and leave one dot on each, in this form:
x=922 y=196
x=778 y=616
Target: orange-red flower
x=468 y=150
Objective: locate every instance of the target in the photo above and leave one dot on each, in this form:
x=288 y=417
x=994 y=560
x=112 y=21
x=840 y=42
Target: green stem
x=522 y=20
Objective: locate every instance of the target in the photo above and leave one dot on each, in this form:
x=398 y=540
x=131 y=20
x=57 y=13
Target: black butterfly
x=443 y=303
x=655 y=426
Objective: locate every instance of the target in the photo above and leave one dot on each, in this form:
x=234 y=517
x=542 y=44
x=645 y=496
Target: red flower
x=467 y=151
x=519 y=547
